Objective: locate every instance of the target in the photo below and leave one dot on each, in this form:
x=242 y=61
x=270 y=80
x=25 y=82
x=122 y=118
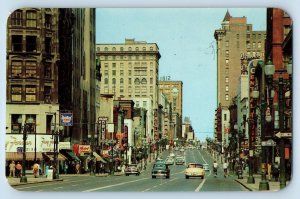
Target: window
x=129 y=49
x=237 y=36
x=16 y=18
x=48 y=21
x=130 y=65
x=113 y=65
x=30 y=92
x=129 y=89
x=151 y=80
x=121 y=57
x=129 y=80
x=151 y=64
x=113 y=81
x=151 y=89
x=253 y=36
x=30 y=69
x=16 y=41
x=144 y=81
x=31 y=19
x=106 y=81
x=259 y=45
x=151 y=72
x=151 y=48
x=121 y=72
x=248 y=44
x=30 y=43
x=106 y=89
x=47 y=94
x=259 y=36
x=137 y=104
x=105 y=49
x=227 y=61
x=113 y=72
x=121 y=65
x=226 y=71
x=137 y=49
x=121 y=89
x=254 y=45
x=227 y=53
x=227 y=43
x=226 y=79
x=16 y=93
x=106 y=72
x=129 y=72
x=47 y=70
x=226 y=97
x=16 y=68
x=121 y=49
x=113 y=57
x=248 y=36
x=121 y=81
x=113 y=49
x=227 y=88
x=225 y=117
x=144 y=48
x=15 y=126
x=48 y=45
x=106 y=65
x=136 y=81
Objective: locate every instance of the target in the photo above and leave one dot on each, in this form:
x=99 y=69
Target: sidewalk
x=273 y=186
x=30 y=180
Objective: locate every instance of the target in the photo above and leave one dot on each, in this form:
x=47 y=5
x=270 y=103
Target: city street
x=144 y=182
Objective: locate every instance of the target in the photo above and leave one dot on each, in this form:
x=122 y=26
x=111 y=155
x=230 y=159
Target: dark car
x=132 y=170
x=160 y=170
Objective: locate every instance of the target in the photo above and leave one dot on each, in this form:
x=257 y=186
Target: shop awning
x=73 y=156
x=50 y=156
x=19 y=156
x=98 y=157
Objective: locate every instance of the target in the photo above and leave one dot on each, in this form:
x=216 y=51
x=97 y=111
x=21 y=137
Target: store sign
x=84 y=149
x=44 y=143
x=64 y=145
x=66 y=119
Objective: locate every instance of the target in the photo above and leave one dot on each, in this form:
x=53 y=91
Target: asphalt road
x=144 y=182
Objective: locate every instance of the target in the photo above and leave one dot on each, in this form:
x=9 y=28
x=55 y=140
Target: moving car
x=132 y=169
x=179 y=160
x=182 y=149
x=160 y=170
x=169 y=161
x=194 y=170
x=206 y=167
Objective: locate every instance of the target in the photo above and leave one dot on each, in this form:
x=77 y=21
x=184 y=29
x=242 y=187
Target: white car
x=194 y=170
x=206 y=167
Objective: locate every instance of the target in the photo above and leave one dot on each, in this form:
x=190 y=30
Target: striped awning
x=19 y=156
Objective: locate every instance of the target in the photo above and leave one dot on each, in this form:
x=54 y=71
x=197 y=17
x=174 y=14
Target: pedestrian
x=269 y=171
x=46 y=170
x=225 y=168
x=18 y=169
x=35 y=169
x=77 y=168
x=66 y=168
x=275 y=171
x=12 y=169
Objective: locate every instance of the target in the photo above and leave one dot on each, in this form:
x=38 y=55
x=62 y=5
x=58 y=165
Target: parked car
x=206 y=167
x=132 y=169
x=160 y=170
x=194 y=170
x=179 y=160
x=182 y=149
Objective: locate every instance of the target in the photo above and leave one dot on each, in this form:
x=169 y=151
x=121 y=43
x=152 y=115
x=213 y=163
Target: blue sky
x=185 y=38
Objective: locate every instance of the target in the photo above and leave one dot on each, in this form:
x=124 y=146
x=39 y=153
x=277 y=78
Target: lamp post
x=25 y=128
x=112 y=143
x=55 y=136
x=269 y=72
x=92 y=163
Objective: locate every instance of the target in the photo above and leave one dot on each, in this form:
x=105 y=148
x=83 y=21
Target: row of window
x=28 y=93
x=128 y=48
x=130 y=65
x=18 y=68
x=137 y=90
x=136 y=72
x=137 y=81
x=30 y=44
x=16 y=127
x=18 y=18
x=128 y=57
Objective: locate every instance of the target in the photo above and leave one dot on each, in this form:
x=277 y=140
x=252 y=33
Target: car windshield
x=159 y=166
x=195 y=166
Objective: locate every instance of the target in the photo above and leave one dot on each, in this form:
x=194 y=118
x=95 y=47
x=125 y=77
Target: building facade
x=235 y=39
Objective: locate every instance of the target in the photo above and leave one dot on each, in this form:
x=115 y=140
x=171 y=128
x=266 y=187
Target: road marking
x=105 y=187
x=160 y=184
x=200 y=186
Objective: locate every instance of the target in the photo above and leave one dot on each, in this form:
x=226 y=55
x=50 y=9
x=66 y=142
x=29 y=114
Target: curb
x=18 y=184
x=244 y=185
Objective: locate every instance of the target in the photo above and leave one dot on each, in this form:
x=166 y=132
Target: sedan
x=160 y=170
x=194 y=170
x=132 y=170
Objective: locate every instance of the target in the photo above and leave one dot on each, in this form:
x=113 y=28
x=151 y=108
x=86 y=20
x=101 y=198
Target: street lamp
x=25 y=128
x=55 y=137
x=269 y=72
x=92 y=160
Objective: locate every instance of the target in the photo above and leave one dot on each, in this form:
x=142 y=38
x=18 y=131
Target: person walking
x=215 y=168
x=225 y=168
x=35 y=169
x=18 y=170
x=12 y=169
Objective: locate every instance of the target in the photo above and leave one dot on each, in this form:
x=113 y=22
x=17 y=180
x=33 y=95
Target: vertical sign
x=102 y=121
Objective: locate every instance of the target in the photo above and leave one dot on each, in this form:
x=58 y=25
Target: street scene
x=113 y=100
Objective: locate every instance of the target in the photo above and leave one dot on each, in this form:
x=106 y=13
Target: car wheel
x=202 y=177
x=153 y=176
x=186 y=177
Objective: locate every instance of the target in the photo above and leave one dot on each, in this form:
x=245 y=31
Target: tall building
x=32 y=69
x=173 y=92
x=129 y=71
x=77 y=71
x=235 y=40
